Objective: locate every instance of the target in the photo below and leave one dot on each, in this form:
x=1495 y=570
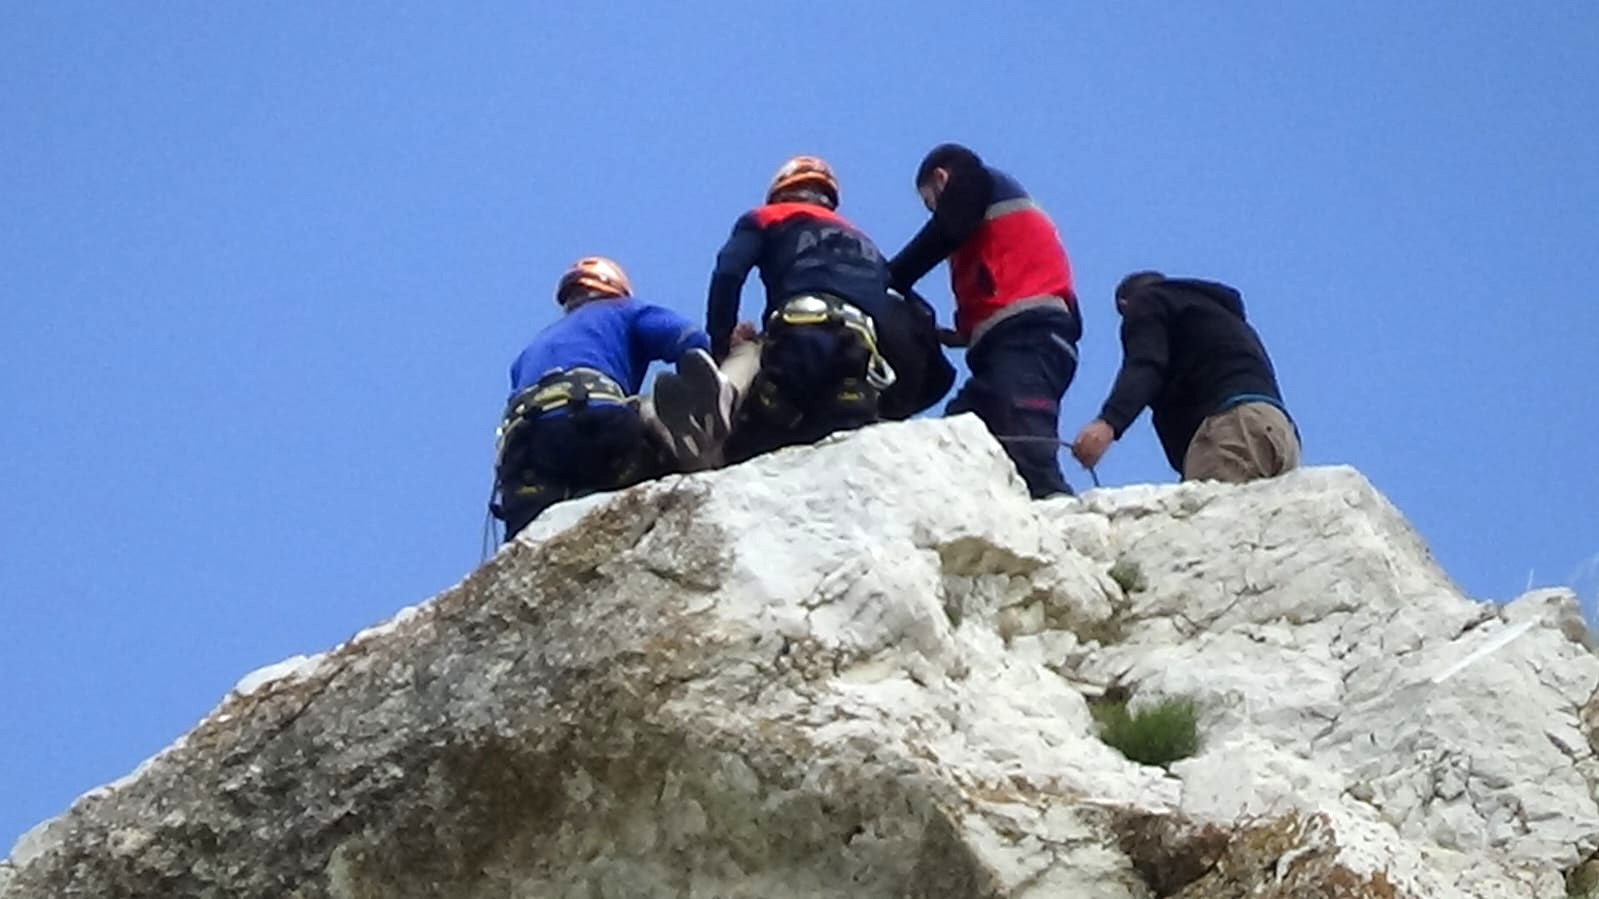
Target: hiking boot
x=695 y=407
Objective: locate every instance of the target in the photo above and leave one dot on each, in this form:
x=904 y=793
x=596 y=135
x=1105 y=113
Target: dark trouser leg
x=754 y=434
x=758 y=432
x=1018 y=378
x=601 y=447
x=810 y=385
x=525 y=502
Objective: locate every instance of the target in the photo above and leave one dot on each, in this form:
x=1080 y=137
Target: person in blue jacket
x=573 y=424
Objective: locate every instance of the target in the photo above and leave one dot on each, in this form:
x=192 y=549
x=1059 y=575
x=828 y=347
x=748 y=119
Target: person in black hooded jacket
x=1190 y=355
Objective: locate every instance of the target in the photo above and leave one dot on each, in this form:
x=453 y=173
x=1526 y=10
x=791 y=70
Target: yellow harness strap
x=812 y=309
x=554 y=391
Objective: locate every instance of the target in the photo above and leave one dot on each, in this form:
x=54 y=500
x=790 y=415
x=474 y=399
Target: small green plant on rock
x=1128 y=576
x=1582 y=882
x=1160 y=734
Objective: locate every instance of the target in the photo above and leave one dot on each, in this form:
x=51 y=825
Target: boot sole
x=689 y=414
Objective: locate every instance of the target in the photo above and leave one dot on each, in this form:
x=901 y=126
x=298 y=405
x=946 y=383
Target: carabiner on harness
x=879 y=373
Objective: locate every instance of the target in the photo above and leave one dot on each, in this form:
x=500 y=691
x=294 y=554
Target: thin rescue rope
x=490 y=537
x=1054 y=440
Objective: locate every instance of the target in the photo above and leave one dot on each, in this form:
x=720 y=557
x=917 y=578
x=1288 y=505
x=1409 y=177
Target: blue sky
x=263 y=267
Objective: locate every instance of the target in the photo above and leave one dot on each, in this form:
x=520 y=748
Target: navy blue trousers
x=1020 y=372
x=566 y=455
x=812 y=384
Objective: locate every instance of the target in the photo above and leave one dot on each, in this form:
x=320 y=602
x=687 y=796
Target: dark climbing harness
x=860 y=370
x=572 y=390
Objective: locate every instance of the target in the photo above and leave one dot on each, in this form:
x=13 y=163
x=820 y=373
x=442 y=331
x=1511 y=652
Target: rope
x=489 y=538
x=1017 y=438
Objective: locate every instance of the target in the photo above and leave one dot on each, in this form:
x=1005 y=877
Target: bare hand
x=743 y=333
x=950 y=337
x=1092 y=442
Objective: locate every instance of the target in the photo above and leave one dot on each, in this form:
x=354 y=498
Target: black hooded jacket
x=1187 y=351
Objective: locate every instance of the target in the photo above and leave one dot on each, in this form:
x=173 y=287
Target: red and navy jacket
x=800 y=248
x=1005 y=256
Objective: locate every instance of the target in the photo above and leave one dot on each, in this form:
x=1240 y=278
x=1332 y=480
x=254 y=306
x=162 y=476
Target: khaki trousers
x=742 y=364
x=1245 y=443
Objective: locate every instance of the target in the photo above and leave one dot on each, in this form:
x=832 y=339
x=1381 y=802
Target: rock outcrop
x=865 y=669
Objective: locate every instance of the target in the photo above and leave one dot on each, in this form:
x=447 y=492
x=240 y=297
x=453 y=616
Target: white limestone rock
x=864 y=669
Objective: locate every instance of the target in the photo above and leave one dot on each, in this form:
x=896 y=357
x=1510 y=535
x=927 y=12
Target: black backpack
x=907 y=336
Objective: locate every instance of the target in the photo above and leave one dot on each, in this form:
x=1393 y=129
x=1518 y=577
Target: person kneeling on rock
x=1190 y=355
x=573 y=425
x=837 y=350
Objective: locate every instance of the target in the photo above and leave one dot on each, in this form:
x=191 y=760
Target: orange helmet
x=805 y=172
x=593 y=275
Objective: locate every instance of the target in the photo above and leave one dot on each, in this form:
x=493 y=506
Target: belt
x=571 y=387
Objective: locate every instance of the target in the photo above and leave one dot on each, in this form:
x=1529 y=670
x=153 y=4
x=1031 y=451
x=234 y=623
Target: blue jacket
x=799 y=248
x=617 y=337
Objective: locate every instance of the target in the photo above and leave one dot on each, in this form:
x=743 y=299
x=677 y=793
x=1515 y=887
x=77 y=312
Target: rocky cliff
x=866 y=669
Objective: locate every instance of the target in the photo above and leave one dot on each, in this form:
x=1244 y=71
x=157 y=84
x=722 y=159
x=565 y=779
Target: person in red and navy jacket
x=1015 y=309
x=803 y=247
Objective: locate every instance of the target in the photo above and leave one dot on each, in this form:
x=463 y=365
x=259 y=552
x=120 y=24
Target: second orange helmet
x=805 y=172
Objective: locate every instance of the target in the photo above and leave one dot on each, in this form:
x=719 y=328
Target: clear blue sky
x=263 y=267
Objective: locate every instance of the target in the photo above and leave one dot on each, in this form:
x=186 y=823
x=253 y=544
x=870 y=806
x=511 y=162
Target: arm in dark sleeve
x=1145 y=356
x=961 y=209
x=664 y=335
x=733 y=264
x=928 y=248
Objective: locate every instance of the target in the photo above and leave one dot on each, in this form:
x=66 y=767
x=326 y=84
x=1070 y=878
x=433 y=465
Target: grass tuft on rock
x=1128 y=575
x=1582 y=882
x=1156 y=735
